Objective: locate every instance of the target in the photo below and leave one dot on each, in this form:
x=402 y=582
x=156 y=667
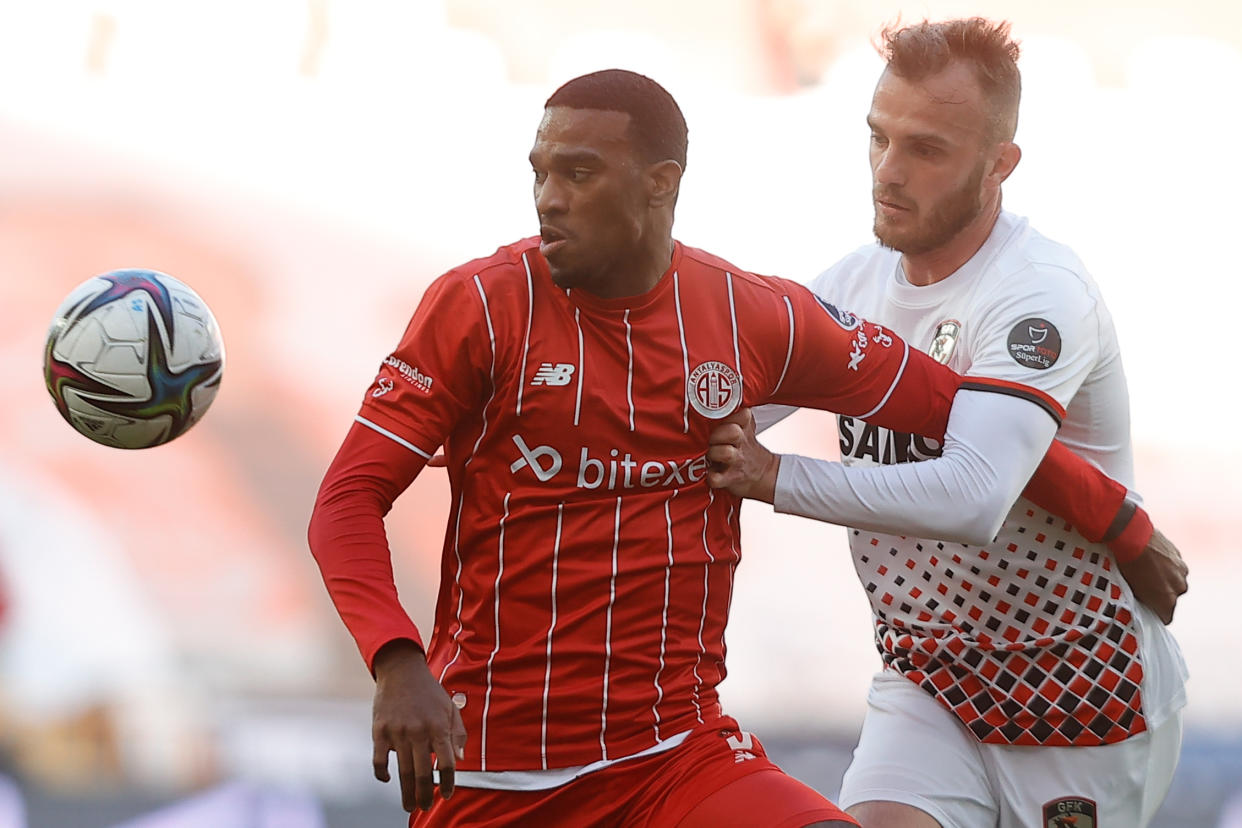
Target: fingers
x=729 y=434
x=415 y=767
x=379 y=757
x=406 y=776
x=446 y=763
x=424 y=783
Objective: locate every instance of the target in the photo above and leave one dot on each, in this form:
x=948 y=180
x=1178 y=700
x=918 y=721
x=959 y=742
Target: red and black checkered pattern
x=1033 y=644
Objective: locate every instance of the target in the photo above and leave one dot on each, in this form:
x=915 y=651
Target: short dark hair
x=657 y=126
x=923 y=49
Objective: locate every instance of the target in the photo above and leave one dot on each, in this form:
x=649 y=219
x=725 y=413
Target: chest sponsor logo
x=553 y=373
x=1071 y=812
x=609 y=469
x=868 y=443
x=714 y=389
x=410 y=374
x=1035 y=343
x=845 y=319
x=944 y=341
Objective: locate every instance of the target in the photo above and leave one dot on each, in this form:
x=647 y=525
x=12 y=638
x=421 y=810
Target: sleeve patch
x=1035 y=343
x=845 y=319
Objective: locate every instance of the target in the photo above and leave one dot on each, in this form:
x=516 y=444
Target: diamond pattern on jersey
x=1030 y=641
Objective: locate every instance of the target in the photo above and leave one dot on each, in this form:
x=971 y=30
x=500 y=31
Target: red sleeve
x=1091 y=501
x=438 y=372
x=423 y=390
x=847 y=365
x=838 y=362
x=348 y=541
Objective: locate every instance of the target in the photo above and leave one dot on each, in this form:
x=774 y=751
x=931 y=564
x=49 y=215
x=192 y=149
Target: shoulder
x=859 y=265
x=503 y=272
x=699 y=264
x=510 y=261
x=1033 y=264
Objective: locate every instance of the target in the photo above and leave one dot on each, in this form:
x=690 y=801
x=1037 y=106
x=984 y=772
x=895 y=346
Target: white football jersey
x=1034 y=639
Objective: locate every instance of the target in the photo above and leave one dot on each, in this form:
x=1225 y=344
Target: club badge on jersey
x=944 y=341
x=1070 y=812
x=714 y=389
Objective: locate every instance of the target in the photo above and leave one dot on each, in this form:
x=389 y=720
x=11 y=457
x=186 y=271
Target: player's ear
x=663 y=180
x=1006 y=159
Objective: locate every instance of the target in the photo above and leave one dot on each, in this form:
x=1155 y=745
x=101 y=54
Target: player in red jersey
x=573 y=379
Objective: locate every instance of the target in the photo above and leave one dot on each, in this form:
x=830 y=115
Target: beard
x=945 y=219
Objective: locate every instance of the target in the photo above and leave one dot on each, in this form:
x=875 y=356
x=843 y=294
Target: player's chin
x=564 y=275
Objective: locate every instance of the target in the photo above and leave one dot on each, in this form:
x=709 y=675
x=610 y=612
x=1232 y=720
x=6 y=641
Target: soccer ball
x=133 y=358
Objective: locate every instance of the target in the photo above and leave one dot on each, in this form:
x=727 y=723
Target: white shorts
x=914 y=751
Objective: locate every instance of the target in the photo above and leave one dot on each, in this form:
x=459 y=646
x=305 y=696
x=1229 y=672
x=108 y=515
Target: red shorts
x=720 y=777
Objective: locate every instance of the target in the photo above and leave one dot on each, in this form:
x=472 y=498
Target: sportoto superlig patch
x=1035 y=343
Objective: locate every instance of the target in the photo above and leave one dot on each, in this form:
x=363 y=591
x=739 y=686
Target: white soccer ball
x=133 y=358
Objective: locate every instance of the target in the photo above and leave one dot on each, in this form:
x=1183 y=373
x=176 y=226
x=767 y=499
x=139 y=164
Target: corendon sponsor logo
x=609 y=469
x=410 y=374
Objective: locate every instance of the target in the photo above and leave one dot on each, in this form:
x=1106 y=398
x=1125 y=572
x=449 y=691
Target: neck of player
x=635 y=275
x=939 y=263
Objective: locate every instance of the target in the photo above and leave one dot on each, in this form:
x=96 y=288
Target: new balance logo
x=550 y=374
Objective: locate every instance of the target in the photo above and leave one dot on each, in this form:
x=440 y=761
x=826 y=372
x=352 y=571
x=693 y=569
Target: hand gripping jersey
x=587 y=570
x=1034 y=639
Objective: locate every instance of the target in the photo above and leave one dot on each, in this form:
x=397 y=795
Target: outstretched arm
x=961 y=496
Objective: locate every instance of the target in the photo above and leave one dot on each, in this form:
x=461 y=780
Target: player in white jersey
x=1023 y=683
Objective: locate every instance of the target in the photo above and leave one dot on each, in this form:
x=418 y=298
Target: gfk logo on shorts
x=613 y=470
x=548 y=373
x=714 y=389
x=1071 y=812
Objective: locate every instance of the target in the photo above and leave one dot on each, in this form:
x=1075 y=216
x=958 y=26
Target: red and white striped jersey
x=587 y=570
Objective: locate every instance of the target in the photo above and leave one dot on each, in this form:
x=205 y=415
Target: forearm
x=1096 y=505
x=961 y=496
x=348 y=541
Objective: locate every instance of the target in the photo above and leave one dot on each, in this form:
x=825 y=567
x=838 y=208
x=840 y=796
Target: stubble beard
x=944 y=221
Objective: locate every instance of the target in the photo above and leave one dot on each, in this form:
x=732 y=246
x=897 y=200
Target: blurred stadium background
x=168 y=656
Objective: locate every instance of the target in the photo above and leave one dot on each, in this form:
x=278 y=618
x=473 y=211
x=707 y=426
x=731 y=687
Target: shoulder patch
x=845 y=319
x=1035 y=343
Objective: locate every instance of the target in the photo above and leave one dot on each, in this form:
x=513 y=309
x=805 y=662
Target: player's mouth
x=890 y=208
x=551 y=241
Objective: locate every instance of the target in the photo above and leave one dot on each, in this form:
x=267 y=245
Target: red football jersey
x=587 y=570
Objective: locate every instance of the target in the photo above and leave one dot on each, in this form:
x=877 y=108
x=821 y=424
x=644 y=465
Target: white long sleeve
x=769 y=415
x=993 y=444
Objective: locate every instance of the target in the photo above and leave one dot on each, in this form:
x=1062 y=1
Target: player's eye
x=580 y=174
x=878 y=140
x=540 y=175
